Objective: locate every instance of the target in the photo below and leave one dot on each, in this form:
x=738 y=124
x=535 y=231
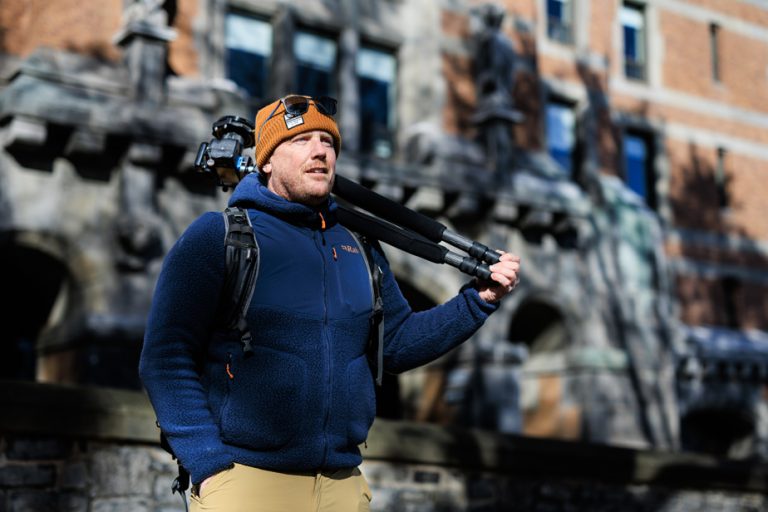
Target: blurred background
x=617 y=146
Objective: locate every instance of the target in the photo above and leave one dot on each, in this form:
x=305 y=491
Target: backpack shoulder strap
x=242 y=268
x=375 y=351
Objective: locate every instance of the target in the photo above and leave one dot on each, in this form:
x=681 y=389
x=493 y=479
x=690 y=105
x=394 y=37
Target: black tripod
x=391 y=222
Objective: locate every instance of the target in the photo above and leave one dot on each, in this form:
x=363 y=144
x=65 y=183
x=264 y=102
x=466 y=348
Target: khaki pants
x=247 y=489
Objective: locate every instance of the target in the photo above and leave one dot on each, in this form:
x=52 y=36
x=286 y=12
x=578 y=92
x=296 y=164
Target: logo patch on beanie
x=293 y=121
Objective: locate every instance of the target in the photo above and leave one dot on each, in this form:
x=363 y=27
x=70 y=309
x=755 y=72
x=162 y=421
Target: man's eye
x=328 y=142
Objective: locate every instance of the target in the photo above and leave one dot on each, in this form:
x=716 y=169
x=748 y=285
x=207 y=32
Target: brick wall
x=72 y=25
x=87 y=28
x=703 y=302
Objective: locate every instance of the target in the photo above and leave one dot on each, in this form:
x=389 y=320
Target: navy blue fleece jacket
x=303 y=400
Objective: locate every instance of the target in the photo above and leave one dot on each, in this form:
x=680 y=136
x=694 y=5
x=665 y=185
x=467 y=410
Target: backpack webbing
x=375 y=348
x=242 y=268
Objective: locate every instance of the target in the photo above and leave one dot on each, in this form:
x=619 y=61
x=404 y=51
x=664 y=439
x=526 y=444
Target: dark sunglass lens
x=296 y=105
x=326 y=105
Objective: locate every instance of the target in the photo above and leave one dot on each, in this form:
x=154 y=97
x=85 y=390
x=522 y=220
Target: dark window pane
x=376 y=82
x=249 y=71
x=315 y=64
x=314 y=82
x=721 y=180
x=633 y=29
x=248 y=44
x=714 y=48
x=636 y=163
x=561 y=134
x=374 y=116
x=559 y=24
x=638 y=166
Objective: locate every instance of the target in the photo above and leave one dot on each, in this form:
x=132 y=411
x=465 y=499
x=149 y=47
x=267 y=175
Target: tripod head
x=222 y=155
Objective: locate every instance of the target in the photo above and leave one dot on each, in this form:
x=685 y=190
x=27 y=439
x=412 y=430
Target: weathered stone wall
x=39 y=474
x=95 y=450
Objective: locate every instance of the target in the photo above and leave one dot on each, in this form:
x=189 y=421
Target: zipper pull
x=323 y=225
x=322 y=221
x=228 y=368
x=335 y=254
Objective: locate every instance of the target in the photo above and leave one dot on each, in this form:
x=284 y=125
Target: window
x=561 y=133
x=560 y=20
x=730 y=288
x=633 y=26
x=714 y=48
x=721 y=180
x=315 y=64
x=248 y=43
x=638 y=166
x=376 y=80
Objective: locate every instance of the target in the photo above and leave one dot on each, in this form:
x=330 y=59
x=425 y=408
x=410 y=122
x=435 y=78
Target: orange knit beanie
x=273 y=126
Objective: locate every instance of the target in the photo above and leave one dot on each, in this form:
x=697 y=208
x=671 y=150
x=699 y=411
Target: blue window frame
x=315 y=64
x=377 y=72
x=560 y=20
x=561 y=133
x=248 y=43
x=634 y=30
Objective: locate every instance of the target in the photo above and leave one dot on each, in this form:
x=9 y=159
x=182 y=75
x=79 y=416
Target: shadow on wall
x=703 y=202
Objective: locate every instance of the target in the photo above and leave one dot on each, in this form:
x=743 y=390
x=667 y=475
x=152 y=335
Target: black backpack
x=242 y=269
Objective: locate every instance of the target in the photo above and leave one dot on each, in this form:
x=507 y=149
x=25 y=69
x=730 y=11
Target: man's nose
x=318 y=148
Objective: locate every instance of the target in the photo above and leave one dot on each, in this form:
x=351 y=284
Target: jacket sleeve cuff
x=207 y=465
x=478 y=306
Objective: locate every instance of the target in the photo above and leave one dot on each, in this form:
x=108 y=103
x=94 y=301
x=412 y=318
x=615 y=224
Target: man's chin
x=317 y=197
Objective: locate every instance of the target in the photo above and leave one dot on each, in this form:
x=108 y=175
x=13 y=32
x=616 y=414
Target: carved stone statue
x=152 y=12
x=494 y=66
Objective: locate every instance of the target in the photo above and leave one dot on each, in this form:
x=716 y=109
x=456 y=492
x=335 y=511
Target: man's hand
x=504 y=278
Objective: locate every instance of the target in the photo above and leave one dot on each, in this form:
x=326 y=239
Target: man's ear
x=267 y=168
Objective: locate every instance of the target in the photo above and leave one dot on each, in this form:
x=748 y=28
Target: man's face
x=302 y=169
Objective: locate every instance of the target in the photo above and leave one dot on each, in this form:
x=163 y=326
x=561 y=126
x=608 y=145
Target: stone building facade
x=616 y=146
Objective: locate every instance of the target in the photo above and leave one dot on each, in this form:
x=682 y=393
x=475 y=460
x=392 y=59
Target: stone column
x=144 y=39
x=283 y=68
x=349 y=110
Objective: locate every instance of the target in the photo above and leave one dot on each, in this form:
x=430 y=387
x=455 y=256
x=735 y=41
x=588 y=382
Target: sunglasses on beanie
x=296 y=105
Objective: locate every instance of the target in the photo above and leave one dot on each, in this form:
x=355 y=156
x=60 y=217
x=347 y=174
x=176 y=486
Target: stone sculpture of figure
x=152 y=12
x=494 y=63
x=495 y=56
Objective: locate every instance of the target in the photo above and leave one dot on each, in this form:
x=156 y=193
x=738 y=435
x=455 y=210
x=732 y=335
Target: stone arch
x=541 y=328
x=722 y=431
x=540 y=325
x=721 y=417
x=34 y=275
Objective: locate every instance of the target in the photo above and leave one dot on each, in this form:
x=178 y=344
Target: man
x=277 y=428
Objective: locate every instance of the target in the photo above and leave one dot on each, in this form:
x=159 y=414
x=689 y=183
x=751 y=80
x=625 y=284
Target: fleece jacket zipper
x=320 y=244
